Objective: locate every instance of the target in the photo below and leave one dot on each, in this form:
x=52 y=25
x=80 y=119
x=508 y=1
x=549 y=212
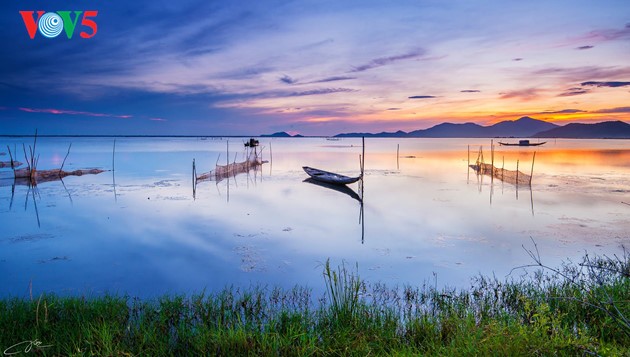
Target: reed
x=576 y=309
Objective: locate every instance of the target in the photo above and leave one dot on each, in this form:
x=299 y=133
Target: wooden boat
x=522 y=143
x=329 y=177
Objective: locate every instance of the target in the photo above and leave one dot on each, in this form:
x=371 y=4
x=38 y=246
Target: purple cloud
x=383 y=61
x=605 y=84
x=574 y=91
x=584 y=47
x=470 y=91
x=564 y=111
x=72 y=112
x=288 y=80
x=517 y=59
x=614 y=110
x=393 y=108
x=333 y=79
x=321 y=91
x=422 y=97
x=608 y=34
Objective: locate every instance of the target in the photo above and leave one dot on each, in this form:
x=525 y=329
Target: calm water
x=139 y=230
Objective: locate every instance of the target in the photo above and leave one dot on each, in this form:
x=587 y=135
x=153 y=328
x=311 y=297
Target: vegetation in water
x=576 y=309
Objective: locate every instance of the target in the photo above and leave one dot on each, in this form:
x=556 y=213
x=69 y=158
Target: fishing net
x=222 y=172
x=514 y=177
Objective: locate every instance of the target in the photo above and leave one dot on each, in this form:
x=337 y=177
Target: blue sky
x=313 y=67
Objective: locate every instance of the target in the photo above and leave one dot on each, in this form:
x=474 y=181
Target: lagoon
x=426 y=218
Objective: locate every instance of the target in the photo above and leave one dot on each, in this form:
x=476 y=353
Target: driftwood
x=4 y=164
x=34 y=177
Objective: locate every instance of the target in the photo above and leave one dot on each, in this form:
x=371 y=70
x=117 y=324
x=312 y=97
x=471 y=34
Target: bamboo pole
x=64 y=159
x=531 y=175
x=468 y=155
x=492 y=161
x=113 y=156
x=363 y=156
x=11 y=156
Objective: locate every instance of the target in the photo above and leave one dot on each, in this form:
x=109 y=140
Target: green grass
x=577 y=309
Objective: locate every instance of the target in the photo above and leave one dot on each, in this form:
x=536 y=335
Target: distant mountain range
x=607 y=129
x=524 y=127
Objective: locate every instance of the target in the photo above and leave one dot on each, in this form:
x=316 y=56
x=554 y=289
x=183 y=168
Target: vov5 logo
x=51 y=24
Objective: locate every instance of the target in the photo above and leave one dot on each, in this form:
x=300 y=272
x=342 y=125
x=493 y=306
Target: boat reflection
x=349 y=192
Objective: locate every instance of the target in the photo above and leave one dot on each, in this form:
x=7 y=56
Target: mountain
x=450 y=130
x=281 y=134
x=398 y=134
x=523 y=127
x=604 y=130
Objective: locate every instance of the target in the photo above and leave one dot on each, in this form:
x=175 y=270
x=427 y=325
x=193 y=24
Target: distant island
x=524 y=127
x=281 y=134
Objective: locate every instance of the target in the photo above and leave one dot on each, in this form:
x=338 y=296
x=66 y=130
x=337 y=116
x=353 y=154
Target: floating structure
x=222 y=172
x=515 y=177
x=253 y=161
x=30 y=175
x=522 y=143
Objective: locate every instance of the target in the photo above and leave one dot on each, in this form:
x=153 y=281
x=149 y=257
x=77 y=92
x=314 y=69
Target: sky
x=206 y=67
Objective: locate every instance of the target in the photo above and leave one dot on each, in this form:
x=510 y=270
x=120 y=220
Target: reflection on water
x=141 y=231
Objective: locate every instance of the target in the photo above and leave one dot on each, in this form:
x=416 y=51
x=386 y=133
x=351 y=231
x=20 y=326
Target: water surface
x=139 y=229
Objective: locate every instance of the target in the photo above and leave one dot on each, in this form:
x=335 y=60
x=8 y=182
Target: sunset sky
x=313 y=67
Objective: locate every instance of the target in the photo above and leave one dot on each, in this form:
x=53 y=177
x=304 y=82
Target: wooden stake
x=468 y=155
x=113 y=156
x=64 y=159
x=11 y=156
x=398 y=157
x=531 y=175
x=363 y=156
x=492 y=161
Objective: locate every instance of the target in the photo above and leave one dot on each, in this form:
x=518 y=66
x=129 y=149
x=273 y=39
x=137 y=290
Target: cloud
x=422 y=97
x=602 y=35
x=320 y=92
x=522 y=94
x=288 y=80
x=393 y=108
x=517 y=59
x=470 y=91
x=574 y=91
x=157 y=119
x=613 y=110
x=585 y=73
x=564 y=111
x=383 y=61
x=605 y=84
x=73 y=112
x=584 y=47
x=333 y=79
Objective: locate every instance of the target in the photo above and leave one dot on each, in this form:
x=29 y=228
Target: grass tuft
x=576 y=309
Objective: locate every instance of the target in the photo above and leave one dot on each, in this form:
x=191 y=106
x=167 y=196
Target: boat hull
x=329 y=177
